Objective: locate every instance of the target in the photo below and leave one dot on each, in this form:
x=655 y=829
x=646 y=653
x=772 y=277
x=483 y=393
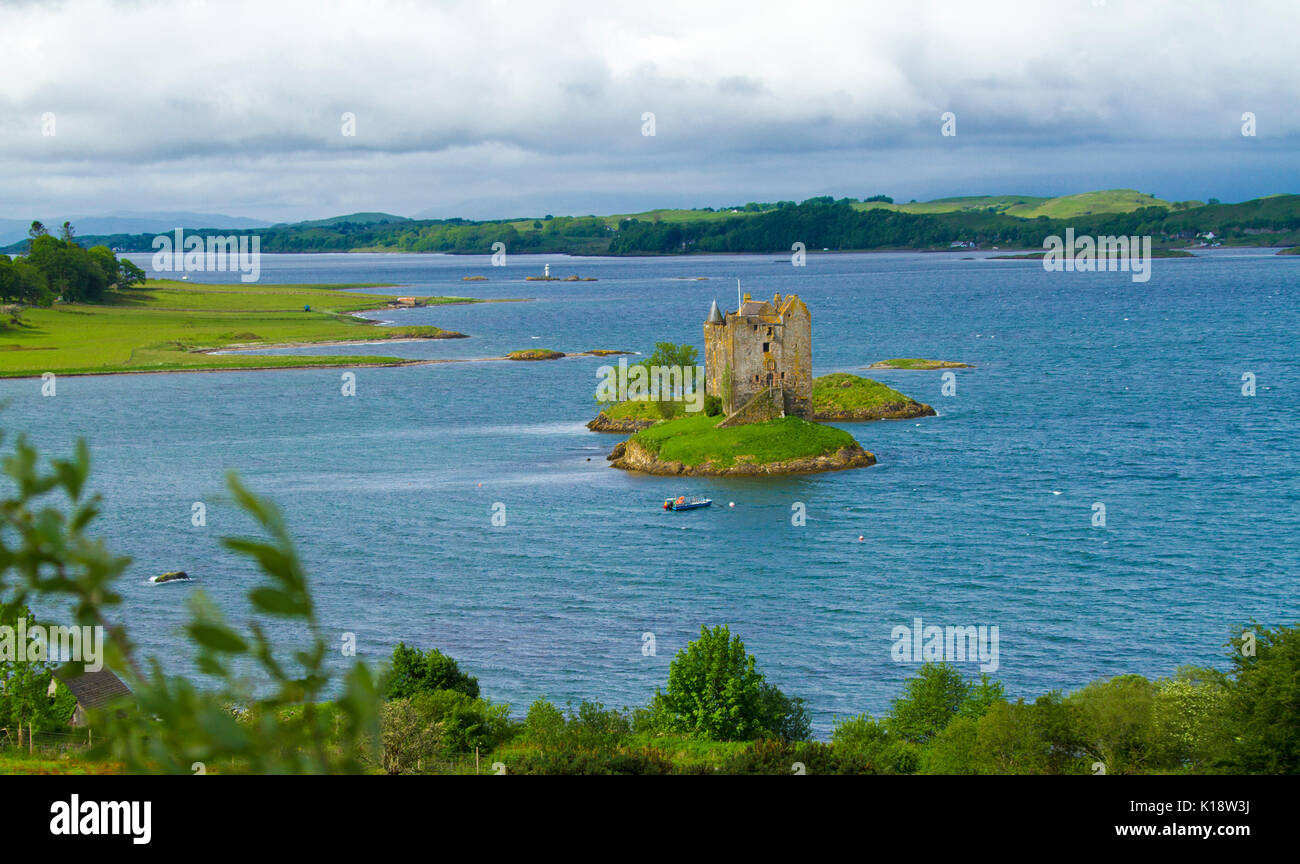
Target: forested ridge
x=819 y=223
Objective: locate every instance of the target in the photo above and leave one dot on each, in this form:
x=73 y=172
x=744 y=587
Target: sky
x=489 y=109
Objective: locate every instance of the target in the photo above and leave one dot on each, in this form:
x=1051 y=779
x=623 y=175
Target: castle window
x=767 y=346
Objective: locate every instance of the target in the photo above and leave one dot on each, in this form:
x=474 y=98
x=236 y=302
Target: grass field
x=1023 y=206
x=695 y=440
x=165 y=326
x=72 y=762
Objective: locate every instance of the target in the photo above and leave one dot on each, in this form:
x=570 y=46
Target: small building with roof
x=92 y=690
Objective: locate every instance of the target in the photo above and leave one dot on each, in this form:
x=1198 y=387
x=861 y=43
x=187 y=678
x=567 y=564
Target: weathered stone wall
x=754 y=352
x=750 y=364
x=765 y=405
x=796 y=358
x=717 y=361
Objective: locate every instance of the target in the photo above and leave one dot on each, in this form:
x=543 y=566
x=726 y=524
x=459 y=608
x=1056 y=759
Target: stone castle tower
x=758 y=359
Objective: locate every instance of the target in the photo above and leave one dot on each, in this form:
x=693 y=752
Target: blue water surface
x=1088 y=388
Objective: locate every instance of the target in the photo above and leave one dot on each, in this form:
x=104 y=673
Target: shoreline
x=379 y=364
x=695 y=254
x=363 y=314
x=386 y=364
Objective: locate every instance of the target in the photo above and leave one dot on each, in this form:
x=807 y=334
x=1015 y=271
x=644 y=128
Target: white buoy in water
x=731 y=504
x=859 y=538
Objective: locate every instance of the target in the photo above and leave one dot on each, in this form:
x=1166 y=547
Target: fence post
x=31 y=739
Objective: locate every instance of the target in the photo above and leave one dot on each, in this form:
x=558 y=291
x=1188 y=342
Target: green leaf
x=279 y=602
x=217 y=638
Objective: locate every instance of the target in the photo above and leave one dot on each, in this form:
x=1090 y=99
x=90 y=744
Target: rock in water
x=172 y=576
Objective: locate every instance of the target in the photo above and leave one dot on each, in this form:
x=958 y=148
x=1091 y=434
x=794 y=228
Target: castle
x=758 y=359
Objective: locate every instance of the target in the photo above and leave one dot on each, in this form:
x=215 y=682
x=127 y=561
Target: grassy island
x=635 y=415
x=173 y=325
x=917 y=363
x=694 y=444
x=838 y=398
x=535 y=354
x=847 y=398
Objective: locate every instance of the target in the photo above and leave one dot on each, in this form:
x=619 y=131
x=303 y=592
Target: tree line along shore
x=844 y=224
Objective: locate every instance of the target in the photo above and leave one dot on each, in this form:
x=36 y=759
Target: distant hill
x=351 y=218
x=12 y=230
x=845 y=224
x=1031 y=207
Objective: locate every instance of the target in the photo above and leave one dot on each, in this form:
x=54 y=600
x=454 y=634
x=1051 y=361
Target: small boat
x=682 y=503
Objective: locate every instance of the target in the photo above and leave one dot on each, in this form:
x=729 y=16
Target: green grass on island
x=917 y=363
x=836 y=397
x=695 y=440
x=644 y=409
x=166 y=325
x=535 y=354
x=830 y=392
x=841 y=396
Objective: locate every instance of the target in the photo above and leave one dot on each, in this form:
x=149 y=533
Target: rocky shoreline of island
x=631 y=455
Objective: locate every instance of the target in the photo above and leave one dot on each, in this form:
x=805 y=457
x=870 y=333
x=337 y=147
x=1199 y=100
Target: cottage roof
x=94 y=689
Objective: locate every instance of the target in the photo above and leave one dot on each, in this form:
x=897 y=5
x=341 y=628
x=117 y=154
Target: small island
x=635 y=415
x=547 y=277
x=837 y=398
x=844 y=398
x=697 y=445
x=918 y=364
x=535 y=354
x=171 y=576
x=758 y=412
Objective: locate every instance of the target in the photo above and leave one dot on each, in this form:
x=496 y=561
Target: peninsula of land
x=175 y=326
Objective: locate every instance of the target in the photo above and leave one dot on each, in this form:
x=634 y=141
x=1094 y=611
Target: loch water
x=1087 y=388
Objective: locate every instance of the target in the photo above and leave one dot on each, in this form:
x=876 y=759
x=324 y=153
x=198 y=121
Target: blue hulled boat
x=682 y=503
